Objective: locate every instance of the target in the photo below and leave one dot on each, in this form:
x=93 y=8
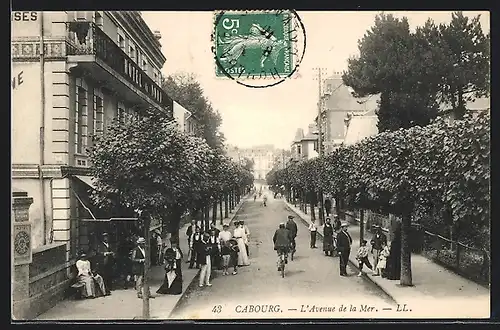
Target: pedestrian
x=247 y=236
x=224 y=237
x=362 y=257
x=344 y=242
x=204 y=260
x=106 y=254
x=215 y=249
x=328 y=238
x=189 y=233
x=336 y=223
x=382 y=259
x=194 y=248
x=159 y=248
x=178 y=256
x=93 y=283
x=172 y=283
x=379 y=240
x=239 y=235
x=328 y=207
x=234 y=251
x=292 y=227
x=138 y=259
x=313 y=230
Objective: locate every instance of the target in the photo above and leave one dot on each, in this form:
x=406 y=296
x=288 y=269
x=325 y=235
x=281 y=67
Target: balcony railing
x=86 y=38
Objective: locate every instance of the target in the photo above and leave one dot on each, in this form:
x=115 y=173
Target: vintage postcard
x=250 y=164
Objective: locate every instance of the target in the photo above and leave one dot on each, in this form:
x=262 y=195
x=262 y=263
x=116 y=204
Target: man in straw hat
x=138 y=258
x=344 y=242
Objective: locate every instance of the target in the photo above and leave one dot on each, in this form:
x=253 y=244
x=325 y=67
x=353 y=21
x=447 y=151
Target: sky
x=271 y=115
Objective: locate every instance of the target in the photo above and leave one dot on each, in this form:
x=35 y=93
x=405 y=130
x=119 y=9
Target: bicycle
x=282 y=262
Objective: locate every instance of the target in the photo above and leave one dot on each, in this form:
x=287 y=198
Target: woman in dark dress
x=173 y=282
x=328 y=238
x=393 y=267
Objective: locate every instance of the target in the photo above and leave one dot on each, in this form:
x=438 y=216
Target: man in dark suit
x=189 y=233
x=344 y=242
x=379 y=240
x=292 y=227
x=106 y=255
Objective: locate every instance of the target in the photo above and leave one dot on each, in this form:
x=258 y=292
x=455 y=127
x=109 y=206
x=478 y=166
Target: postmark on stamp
x=258 y=48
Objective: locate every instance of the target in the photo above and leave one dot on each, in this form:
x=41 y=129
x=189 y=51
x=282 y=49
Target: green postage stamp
x=256 y=44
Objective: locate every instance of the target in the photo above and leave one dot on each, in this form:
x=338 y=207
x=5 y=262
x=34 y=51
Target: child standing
x=234 y=250
x=362 y=257
x=383 y=259
x=313 y=230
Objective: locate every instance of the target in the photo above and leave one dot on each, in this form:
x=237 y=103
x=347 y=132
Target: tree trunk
x=214 y=212
x=337 y=206
x=147 y=263
x=206 y=217
x=175 y=220
x=321 y=208
x=361 y=226
x=406 y=278
x=226 y=206
x=220 y=210
x=311 y=201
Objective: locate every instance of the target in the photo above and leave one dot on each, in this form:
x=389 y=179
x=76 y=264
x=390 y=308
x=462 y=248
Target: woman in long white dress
x=239 y=235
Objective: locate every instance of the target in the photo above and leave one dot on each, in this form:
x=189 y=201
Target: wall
x=26 y=113
x=32 y=187
x=25 y=23
x=311 y=153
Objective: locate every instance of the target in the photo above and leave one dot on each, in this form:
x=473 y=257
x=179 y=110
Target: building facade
x=305 y=146
x=186 y=120
x=95 y=67
x=336 y=102
x=263 y=158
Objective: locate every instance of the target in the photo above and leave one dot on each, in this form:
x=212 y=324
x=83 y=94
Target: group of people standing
x=217 y=249
x=337 y=241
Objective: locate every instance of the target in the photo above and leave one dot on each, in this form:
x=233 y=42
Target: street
x=311 y=281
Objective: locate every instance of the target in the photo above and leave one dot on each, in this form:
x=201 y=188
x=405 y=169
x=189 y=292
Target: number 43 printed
x=217 y=309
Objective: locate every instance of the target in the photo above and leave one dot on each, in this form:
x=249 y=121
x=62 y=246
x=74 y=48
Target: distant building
x=186 y=120
x=337 y=101
x=360 y=126
x=263 y=157
x=304 y=146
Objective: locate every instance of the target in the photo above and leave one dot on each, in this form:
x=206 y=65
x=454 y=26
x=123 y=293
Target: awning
x=86 y=179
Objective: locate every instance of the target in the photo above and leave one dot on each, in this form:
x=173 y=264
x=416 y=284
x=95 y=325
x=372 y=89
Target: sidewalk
x=432 y=283
x=124 y=304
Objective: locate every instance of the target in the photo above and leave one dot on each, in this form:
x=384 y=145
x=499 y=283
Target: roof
x=299 y=135
x=360 y=127
x=342 y=98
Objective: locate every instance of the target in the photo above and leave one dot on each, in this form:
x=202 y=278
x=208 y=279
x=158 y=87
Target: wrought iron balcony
x=86 y=38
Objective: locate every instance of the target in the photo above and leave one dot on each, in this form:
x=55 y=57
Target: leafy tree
x=467 y=69
x=248 y=164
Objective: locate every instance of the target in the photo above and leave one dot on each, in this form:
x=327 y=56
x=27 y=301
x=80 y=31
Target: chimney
x=157 y=35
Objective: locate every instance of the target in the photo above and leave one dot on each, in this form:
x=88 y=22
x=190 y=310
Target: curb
x=353 y=264
x=190 y=285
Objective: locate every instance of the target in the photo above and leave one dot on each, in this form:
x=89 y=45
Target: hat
x=82 y=254
x=291 y=217
x=345 y=224
x=328 y=219
x=225 y=225
x=141 y=240
x=104 y=234
x=376 y=226
x=282 y=223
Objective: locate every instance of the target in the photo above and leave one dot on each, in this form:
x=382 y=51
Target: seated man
x=93 y=283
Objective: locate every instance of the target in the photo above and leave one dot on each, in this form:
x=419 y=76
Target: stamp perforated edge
x=295 y=56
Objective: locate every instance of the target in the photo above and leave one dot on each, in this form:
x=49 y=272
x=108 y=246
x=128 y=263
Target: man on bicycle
x=282 y=240
x=292 y=228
